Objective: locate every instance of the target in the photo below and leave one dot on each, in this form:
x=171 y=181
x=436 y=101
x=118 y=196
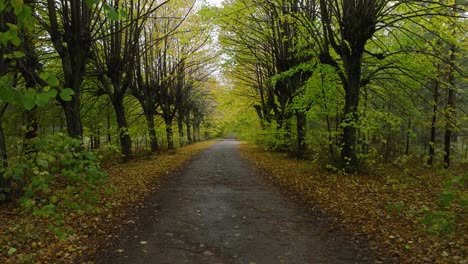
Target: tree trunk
x=258 y=109
x=125 y=140
x=432 y=139
x=180 y=127
x=98 y=137
x=408 y=134
x=109 y=135
x=325 y=106
x=32 y=130
x=187 y=124
x=95 y=137
x=152 y=132
x=197 y=128
x=450 y=110
x=301 y=134
x=352 y=87
x=4 y=183
x=169 y=134
x=72 y=115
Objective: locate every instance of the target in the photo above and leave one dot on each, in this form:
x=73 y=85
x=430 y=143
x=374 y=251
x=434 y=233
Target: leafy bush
x=443 y=220
x=59 y=176
x=438 y=222
x=274 y=139
x=109 y=152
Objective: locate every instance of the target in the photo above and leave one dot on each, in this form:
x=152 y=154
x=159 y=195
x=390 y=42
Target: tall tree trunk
x=352 y=87
x=125 y=140
x=95 y=137
x=197 y=132
x=180 y=127
x=73 y=65
x=32 y=130
x=258 y=109
x=408 y=134
x=71 y=39
x=3 y=151
x=301 y=134
x=450 y=110
x=109 y=135
x=187 y=125
x=4 y=183
x=72 y=116
x=151 y=131
x=169 y=133
x=98 y=137
x=28 y=66
x=432 y=139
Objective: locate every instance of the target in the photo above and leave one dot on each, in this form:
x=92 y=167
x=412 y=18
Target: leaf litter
x=27 y=239
x=384 y=209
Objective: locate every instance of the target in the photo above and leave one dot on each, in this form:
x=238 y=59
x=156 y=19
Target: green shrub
x=59 y=176
x=443 y=220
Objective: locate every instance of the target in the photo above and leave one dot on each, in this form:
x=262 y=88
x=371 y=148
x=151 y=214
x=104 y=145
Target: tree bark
x=180 y=128
x=72 y=116
x=352 y=89
x=73 y=55
x=432 y=139
x=152 y=132
x=3 y=151
x=109 y=135
x=32 y=130
x=187 y=124
x=169 y=134
x=197 y=132
x=125 y=140
x=4 y=183
x=301 y=134
x=450 y=110
x=408 y=134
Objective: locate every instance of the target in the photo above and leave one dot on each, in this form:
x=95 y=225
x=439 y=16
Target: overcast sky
x=215 y=2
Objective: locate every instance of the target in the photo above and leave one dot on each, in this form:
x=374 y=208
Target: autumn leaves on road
x=218 y=209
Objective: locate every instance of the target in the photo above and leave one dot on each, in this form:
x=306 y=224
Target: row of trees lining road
x=367 y=80
x=119 y=71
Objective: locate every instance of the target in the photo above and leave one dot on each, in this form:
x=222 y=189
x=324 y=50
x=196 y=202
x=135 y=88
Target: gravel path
x=218 y=210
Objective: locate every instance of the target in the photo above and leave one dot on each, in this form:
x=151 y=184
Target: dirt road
x=217 y=210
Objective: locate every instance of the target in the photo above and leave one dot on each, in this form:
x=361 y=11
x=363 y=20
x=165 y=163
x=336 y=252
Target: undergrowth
x=69 y=208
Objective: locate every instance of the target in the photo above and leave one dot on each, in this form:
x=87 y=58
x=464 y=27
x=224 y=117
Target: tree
x=115 y=56
x=269 y=59
x=72 y=26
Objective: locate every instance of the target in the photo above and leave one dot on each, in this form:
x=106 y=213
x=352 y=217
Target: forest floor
x=25 y=238
x=411 y=214
x=219 y=209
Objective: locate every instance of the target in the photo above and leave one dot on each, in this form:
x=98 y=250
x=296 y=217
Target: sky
x=214 y=2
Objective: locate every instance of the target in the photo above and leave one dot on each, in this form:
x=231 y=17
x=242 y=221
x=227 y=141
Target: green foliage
x=112 y=13
x=11 y=43
x=66 y=94
x=29 y=98
x=442 y=220
x=59 y=177
x=273 y=138
x=49 y=78
x=438 y=222
x=110 y=152
x=24 y=20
